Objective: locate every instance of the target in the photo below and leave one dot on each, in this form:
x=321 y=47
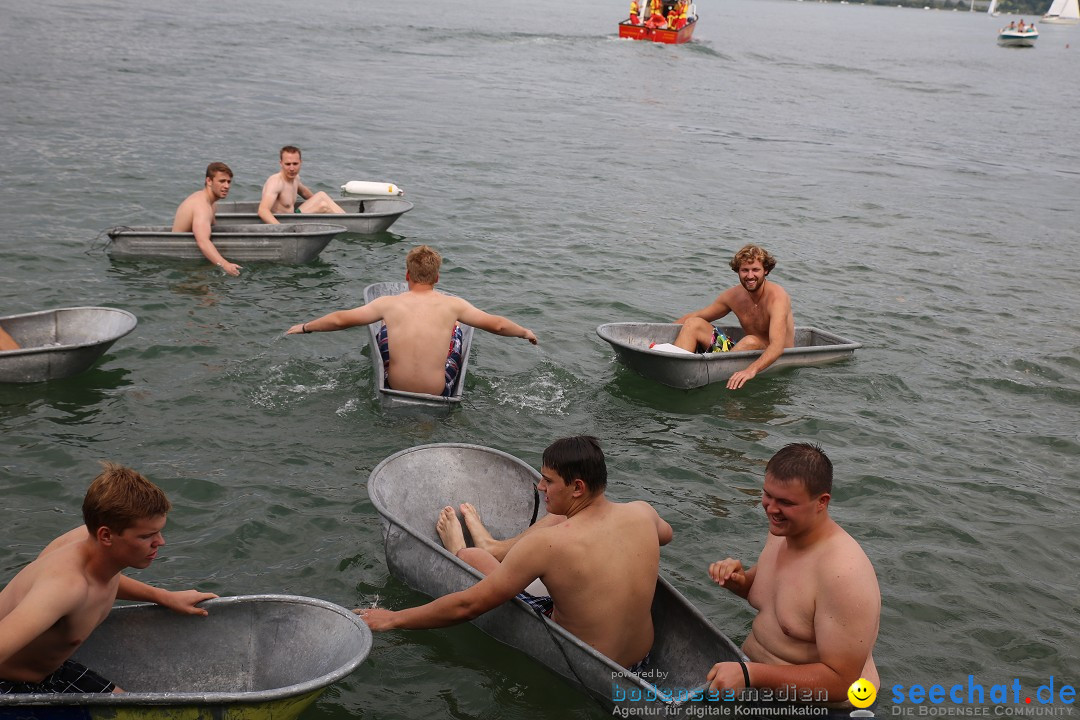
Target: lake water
x=916 y=182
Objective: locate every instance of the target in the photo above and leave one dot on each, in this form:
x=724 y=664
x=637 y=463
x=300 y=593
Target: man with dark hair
x=762 y=307
x=53 y=604
x=281 y=190
x=608 y=545
x=421 y=326
x=196 y=214
x=815 y=590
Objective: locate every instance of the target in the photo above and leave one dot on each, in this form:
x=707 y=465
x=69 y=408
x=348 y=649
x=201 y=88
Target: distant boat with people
x=663 y=21
x=1063 y=12
x=1018 y=35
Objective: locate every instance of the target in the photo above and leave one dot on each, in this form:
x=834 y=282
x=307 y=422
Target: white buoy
x=367 y=187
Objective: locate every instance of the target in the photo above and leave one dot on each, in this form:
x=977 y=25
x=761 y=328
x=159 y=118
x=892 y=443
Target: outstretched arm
x=496 y=324
x=521 y=566
x=342 y=319
x=181 y=601
x=201 y=224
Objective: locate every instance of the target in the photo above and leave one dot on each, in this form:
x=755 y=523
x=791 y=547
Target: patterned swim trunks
x=453 y=358
x=72 y=677
x=542 y=604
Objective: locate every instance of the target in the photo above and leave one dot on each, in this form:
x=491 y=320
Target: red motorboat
x=663 y=21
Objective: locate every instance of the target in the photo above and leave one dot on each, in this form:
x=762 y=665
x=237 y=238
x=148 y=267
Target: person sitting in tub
x=282 y=189
x=762 y=307
x=196 y=214
x=53 y=604
x=420 y=340
x=583 y=548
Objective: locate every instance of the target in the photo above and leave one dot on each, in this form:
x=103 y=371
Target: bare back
x=601 y=570
x=59 y=579
x=797 y=617
x=419 y=324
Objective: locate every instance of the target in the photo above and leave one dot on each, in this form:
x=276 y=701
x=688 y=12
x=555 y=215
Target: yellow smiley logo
x=862 y=693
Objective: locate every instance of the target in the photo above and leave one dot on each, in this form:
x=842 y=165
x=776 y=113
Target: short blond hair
x=423 y=264
x=119 y=497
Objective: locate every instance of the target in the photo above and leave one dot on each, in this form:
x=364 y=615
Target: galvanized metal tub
x=292 y=243
x=409 y=489
x=390 y=398
x=364 y=217
x=631 y=341
x=255 y=656
x=57 y=344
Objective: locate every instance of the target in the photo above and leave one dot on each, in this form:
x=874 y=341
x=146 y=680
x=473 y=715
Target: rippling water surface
x=917 y=183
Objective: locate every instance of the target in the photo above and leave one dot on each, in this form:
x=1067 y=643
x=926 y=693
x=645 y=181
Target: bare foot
x=480 y=535
x=449 y=529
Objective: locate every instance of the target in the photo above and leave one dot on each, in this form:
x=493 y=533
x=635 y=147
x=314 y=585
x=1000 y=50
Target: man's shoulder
x=778 y=293
x=842 y=555
x=274 y=183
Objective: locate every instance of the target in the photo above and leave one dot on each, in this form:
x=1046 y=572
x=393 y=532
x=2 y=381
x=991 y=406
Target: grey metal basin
x=364 y=217
x=409 y=488
x=631 y=341
x=292 y=243
x=57 y=344
x=252 y=656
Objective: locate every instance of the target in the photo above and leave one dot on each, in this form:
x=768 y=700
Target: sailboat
x=1063 y=12
x=992 y=10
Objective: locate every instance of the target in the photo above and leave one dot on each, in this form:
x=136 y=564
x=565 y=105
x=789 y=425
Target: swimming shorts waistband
x=542 y=604
x=642 y=664
x=71 y=677
x=453 y=358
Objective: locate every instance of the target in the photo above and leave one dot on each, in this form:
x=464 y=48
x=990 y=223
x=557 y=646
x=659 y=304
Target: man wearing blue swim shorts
x=53 y=604
x=762 y=307
x=419 y=326
x=561 y=569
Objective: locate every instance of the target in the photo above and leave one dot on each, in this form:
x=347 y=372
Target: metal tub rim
x=134 y=321
x=519 y=605
x=207 y=698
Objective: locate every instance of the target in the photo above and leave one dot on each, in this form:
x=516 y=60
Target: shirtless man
x=422 y=324
x=762 y=307
x=53 y=604
x=815 y=590
x=607 y=545
x=281 y=189
x=196 y=214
